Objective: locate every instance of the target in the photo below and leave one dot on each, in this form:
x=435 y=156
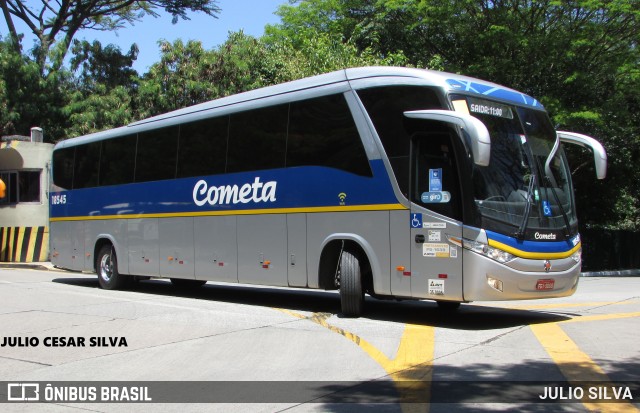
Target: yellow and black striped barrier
x=24 y=244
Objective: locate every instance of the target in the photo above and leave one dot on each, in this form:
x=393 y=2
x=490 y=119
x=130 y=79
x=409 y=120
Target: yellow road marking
x=600 y=317
x=411 y=369
x=575 y=365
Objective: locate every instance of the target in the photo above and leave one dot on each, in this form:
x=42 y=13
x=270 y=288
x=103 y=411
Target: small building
x=24 y=211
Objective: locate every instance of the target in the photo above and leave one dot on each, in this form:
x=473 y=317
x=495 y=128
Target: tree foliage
x=27 y=98
x=581 y=58
x=56 y=23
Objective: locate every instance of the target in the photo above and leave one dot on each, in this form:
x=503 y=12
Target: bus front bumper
x=489 y=280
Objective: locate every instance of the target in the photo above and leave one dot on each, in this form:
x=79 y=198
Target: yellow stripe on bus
x=534 y=255
x=350 y=208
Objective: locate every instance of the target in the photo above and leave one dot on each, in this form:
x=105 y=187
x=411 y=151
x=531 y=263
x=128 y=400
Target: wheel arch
x=330 y=256
x=101 y=241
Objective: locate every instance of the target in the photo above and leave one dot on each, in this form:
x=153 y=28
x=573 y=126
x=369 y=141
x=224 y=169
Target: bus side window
x=87 y=165
x=117 y=162
x=258 y=139
x=386 y=106
x=156 y=154
x=322 y=133
x=63 y=160
x=203 y=147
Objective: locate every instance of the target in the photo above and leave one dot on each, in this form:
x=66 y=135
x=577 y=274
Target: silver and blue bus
x=394 y=182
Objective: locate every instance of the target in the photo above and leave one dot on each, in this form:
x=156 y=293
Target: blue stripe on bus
x=495 y=92
x=534 y=246
x=298 y=187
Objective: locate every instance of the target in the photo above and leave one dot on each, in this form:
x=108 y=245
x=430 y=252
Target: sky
x=248 y=15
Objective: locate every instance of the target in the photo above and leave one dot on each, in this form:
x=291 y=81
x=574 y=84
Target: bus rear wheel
x=107 y=268
x=351 y=291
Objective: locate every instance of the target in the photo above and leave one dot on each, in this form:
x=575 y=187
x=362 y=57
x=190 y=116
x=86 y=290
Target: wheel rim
x=106 y=269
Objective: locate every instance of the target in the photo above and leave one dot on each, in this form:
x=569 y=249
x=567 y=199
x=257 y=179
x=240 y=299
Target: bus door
x=435 y=217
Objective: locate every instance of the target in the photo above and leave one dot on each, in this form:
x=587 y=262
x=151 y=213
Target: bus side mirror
x=599 y=153
x=477 y=131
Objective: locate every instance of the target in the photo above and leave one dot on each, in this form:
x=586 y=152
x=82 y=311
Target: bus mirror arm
x=477 y=131
x=599 y=153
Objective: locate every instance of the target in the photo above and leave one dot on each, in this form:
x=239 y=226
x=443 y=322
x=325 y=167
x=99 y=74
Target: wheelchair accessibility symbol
x=416 y=221
x=546 y=209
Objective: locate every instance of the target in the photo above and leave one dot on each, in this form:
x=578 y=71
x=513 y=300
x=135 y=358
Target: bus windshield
x=514 y=194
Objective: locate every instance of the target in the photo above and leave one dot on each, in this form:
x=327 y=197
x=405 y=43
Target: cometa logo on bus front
x=234 y=194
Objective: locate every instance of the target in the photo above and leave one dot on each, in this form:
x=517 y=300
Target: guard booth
x=24 y=210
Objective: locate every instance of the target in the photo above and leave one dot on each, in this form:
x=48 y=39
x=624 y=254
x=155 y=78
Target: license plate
x=542 y=285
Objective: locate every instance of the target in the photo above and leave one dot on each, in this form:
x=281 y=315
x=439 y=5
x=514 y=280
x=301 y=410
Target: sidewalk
x=44 y=266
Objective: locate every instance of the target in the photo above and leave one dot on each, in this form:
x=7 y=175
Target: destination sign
x=487 y=107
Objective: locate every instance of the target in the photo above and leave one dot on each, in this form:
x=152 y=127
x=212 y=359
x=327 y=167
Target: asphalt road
x=250 y=348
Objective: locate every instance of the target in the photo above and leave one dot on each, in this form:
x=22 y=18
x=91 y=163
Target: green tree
x=106 y=66
x=105 y=83
x=28 y=99
x=103 y=109
x=182 y=77
x=187 y=74
x=55 y=24
x=579 y=57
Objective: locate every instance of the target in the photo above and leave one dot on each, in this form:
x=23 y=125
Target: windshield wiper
x=551 y=182
x=527 y=209
x=557 y=199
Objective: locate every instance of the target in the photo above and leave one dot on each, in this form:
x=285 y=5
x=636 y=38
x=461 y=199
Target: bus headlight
x=495 y=254
x=577 y=256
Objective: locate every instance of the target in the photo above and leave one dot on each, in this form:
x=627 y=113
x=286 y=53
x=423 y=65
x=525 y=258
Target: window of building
x=22 y=186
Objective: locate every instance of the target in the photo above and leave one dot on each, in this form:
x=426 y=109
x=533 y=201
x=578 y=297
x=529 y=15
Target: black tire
x=187 y=284
x=107 y=269
x=448 y=305
x=351 y=291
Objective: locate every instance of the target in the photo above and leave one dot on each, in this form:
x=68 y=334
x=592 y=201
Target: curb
x=27 y=266
x=618 y=273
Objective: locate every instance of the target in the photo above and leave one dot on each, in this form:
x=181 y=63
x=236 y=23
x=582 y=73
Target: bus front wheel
x=107 y=268
x=351 y=291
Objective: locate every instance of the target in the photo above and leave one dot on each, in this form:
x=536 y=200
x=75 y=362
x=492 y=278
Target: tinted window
x=322 y=132
x=386 y=106
x=21 y=186
x=87 y=165
x=203 y=147
x=118 y=160
x=257 y=139
x=157 y=154
x=29 y=186
x=435 y=176
x=10 y=180
x=63 y=160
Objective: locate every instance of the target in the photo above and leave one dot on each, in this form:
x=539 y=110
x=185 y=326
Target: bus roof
x=338 y=81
